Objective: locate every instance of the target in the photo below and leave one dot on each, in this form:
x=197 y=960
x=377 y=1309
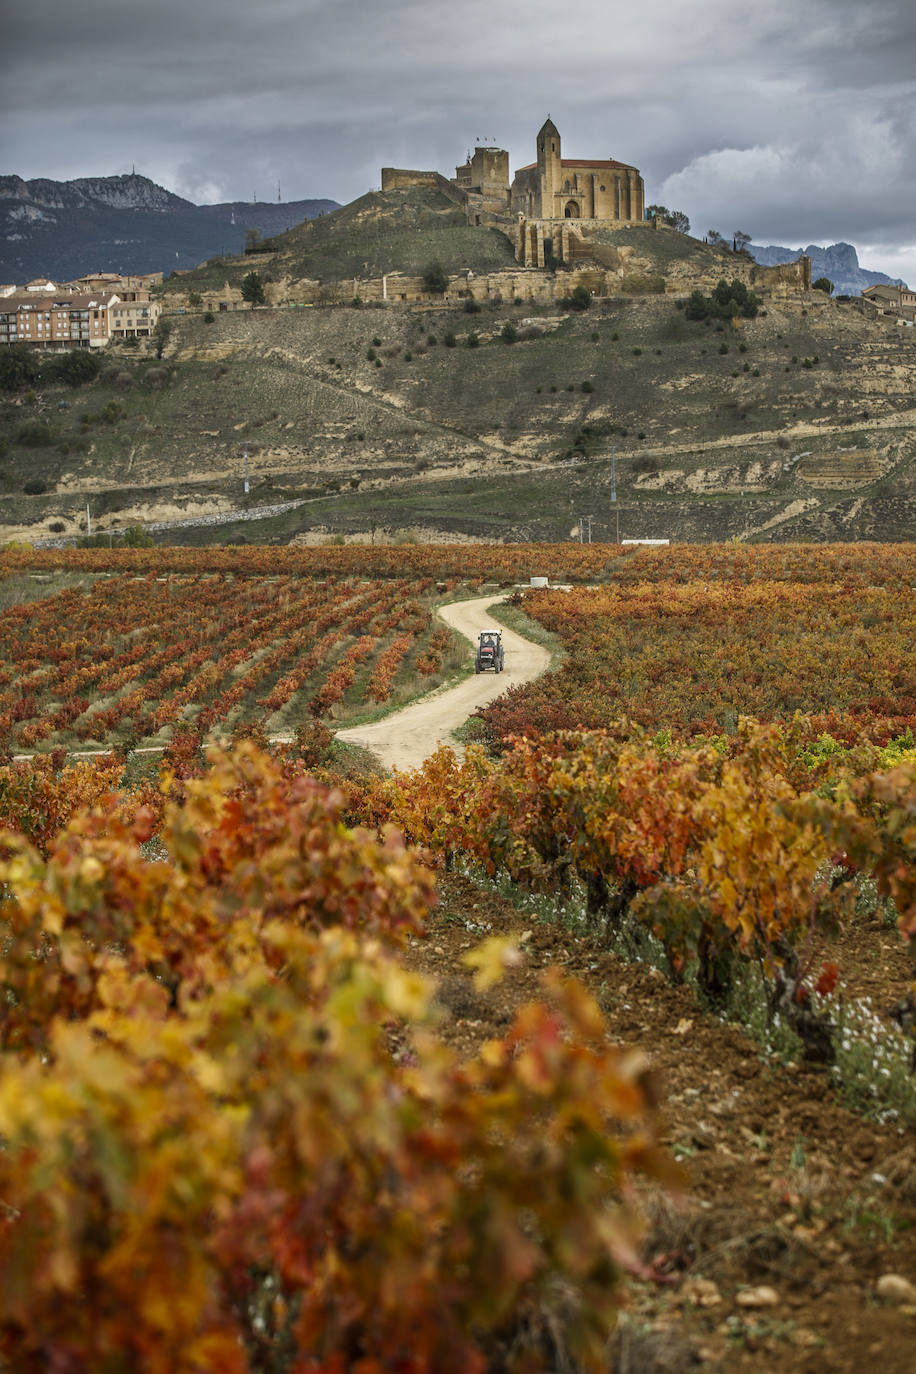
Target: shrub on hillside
x=75 y=368
x=156 y=378
x=19 y=367
x=580 y=298
x=253 y=289
x=728 y=301
x=435 y=279
x=35 y=434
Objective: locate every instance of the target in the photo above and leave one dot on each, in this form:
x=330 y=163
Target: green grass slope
x=391 y=231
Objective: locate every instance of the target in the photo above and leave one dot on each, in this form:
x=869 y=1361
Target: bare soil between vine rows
x=793 y=1206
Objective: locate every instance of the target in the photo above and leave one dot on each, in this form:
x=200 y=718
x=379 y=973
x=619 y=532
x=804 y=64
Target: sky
x=794 y=123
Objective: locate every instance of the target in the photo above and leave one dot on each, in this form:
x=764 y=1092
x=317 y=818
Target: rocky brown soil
x=795 y=1211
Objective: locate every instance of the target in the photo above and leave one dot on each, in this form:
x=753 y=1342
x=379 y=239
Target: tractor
x=490 y=653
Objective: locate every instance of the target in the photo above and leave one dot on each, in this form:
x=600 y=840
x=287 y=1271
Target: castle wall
x=605 y=270
x=398 y=178
x=791 y=276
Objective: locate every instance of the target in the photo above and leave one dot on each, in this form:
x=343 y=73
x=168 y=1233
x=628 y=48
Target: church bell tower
x=549 y=168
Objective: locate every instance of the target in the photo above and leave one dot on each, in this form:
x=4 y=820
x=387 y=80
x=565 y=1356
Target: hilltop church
x=553 y=187
x=556 y=187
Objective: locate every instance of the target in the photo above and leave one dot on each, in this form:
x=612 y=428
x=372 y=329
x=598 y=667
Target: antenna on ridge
x=278 y=193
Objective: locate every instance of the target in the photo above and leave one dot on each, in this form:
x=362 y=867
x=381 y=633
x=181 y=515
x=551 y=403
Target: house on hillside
x=892 y=299
x=134 y=319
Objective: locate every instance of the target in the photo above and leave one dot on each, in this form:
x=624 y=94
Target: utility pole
x=614 y=493
x=247 y=487
x=88 y=522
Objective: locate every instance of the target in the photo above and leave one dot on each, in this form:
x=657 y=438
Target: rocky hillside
x=799 y=424
x=62 y=229
x=492 y=410
x=839 y=263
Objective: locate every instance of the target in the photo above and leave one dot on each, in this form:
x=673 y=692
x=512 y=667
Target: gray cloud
x=794 y=124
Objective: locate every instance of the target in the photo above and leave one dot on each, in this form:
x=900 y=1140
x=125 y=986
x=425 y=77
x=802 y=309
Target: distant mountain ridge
x=839 y=262
x=62 y=229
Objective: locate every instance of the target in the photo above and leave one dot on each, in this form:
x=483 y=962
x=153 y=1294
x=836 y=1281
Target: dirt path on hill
x=406 y=738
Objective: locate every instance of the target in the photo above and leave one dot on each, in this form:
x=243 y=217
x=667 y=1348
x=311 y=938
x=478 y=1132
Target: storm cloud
x=795 y=124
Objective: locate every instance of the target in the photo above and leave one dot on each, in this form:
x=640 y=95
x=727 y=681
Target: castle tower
x=549 y=168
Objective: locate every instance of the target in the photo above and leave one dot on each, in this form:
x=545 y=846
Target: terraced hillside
x=509 y=421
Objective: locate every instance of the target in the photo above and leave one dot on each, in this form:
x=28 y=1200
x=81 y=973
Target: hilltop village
x=569 y=222
x=497 y=354
x=91 y=312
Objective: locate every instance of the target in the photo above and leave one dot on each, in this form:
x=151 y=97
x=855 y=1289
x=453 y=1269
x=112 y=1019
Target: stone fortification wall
x=569 y=239
x=604 y=269
x=521 y=284
x=399 y=178
x=217 y=299
x=786 y=278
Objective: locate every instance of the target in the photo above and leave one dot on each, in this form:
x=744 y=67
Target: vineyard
x=688 y=640
x=294 y=1054
x=129 y=659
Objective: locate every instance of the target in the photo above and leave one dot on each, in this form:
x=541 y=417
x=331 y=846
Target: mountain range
x=62 y=229
x=839 y=263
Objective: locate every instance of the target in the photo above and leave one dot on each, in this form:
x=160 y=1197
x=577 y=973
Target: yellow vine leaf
x=491 y=960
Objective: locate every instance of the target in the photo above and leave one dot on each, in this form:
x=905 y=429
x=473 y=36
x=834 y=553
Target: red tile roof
x=582 y=162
